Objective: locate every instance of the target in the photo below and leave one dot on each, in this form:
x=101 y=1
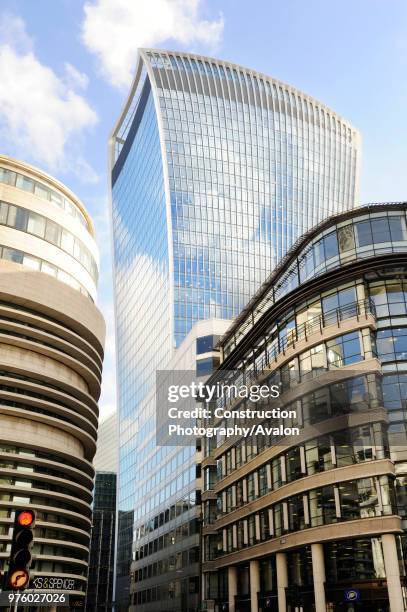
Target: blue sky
x=65 y=68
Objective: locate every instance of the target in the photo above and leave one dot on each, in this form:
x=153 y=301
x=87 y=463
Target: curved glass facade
x=216 y=170
x=250 y=165
x=374 y=233
x=335 y=340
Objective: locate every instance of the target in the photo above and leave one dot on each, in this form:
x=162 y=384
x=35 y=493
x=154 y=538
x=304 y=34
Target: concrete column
x=232 y=586
x=318 y=572
x=254 y=585
x=391 y=565
x=282 y=580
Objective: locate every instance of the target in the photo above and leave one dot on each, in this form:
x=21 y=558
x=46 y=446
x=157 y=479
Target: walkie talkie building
x=215 y=171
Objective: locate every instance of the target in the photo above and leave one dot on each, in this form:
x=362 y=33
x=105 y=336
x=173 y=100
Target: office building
x=99 y=596
x=317 y=519
x=215 y=171
x=51 y=352
x=165 y=570
x=106 y=458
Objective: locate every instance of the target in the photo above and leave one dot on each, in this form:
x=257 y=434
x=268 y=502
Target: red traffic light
x=20 y=555
x=26 y=518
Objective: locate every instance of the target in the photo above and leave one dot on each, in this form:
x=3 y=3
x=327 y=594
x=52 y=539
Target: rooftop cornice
x=143 y=51
x=143 y=59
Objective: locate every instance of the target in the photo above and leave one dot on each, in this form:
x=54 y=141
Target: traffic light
x=18 y=576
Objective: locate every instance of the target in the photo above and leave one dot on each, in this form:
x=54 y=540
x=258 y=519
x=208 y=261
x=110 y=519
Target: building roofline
x=142 y=57
x=48 y=178
x=263 y=75
x=127 y=102
x=294 y=250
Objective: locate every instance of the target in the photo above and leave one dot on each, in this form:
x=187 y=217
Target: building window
x=293 y=464
x=278 y=519
x=322 y=508
x=342 y=300
x=205 y=344
x=392 y=344
x=38 y=225
x=27 y=184
x=359 y=499
x=263 y=488
x=240 y=534
x=264 y=525
x=252 y=530
x=250 y=487
x=352 y=395
x=344 y=350
x=389 y=297
x=205 y=367
x=318 y=455
x=299 y=567
x=346 y=238
x=296 y=519
x=401 y=495
x=380 y=229
x=354 y=560
x=312 y=360
x=276 y=473
x=239 y=493
x=315 y=406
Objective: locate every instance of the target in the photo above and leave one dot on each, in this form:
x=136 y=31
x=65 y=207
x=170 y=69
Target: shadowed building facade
x=215 y=171
x=99 y=596
x=318 y=519
x=51 y=351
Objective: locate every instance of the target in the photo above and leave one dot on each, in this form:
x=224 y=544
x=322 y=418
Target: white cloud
x=41 y=115
x=115 y=29
x=13 y=32
x=74 y=78
x=83 y=170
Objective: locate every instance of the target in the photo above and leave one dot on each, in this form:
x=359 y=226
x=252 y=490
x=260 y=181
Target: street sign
x=352 y=595
x=19 y=579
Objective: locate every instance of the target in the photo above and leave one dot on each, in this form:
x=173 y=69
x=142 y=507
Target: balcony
x=305 y=333
x=319 y=329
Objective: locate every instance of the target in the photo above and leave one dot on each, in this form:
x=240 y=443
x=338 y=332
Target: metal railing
x=361 y=308
x=270 y=355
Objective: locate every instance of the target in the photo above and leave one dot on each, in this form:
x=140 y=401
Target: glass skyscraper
x=215 y=171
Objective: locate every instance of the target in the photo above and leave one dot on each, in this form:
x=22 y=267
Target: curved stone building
x=222 y=168
x=51 y=351
x=318 y=520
